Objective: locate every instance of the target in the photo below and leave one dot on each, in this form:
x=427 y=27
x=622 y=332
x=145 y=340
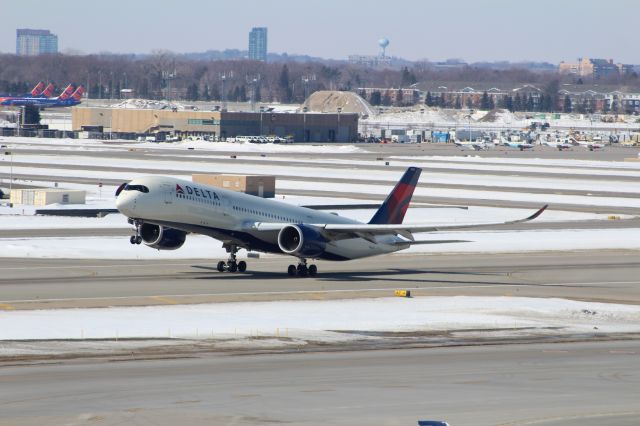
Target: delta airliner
x=164 y=210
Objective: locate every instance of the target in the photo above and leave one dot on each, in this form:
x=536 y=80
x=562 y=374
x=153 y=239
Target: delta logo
x=196 y=192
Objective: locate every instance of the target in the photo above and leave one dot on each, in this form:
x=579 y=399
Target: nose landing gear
x=136 y=238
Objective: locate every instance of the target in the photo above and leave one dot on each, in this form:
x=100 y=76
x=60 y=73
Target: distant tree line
x=164 y=75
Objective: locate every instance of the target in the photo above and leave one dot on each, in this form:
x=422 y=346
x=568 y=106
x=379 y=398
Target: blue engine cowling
x=301 y=241
x=161 y=238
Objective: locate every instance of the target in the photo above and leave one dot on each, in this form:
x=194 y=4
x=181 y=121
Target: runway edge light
x=403 y=293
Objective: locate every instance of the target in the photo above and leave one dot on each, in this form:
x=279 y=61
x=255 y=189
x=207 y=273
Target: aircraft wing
x=368 y=231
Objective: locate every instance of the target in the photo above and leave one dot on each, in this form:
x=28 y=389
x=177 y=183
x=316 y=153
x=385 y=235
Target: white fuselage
x=234 y=216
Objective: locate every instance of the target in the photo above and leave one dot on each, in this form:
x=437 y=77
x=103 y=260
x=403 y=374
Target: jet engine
x=301 y=241
x=162 y=238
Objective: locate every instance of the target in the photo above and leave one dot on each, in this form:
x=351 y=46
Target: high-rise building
x=35 y=42
x=258 y=44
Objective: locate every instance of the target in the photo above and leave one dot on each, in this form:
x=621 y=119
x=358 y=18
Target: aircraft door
x=167 y=193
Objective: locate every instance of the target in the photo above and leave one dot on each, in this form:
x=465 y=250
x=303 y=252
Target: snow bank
x=321 y=320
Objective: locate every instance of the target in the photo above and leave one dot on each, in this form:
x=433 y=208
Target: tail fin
x=77 y=95
x=66 y=93
x=393 y=209
x=38 y=89
x=48 y=91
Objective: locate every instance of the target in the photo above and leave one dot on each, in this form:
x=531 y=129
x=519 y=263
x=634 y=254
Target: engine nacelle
x=161 y=238
x=302 y=241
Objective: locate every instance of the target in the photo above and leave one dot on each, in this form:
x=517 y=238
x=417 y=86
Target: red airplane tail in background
x=48 y=91
x=77 y=95
x=36 y=91
x=66 y=94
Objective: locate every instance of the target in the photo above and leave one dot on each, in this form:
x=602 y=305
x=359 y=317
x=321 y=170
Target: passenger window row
x=261 y=213
x=199 y=200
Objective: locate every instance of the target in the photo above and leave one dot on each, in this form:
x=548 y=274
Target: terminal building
x=217 y=125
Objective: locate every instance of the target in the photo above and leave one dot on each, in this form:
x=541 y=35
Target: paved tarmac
x=610 y=276
x=586 y=384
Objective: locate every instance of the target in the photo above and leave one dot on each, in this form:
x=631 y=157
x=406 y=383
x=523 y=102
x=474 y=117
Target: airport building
x=258 y=44
x=45 y=196
x=35 y=42
x=218 y=125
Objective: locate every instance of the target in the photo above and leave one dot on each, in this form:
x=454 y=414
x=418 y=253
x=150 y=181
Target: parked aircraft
x=165 y=209
x=519 y=145
x=474 y=145
x=67 y=98
x=591 y=146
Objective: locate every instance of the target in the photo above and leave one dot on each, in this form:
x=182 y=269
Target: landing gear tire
x=138 y=239
x=233 y=266
x=221 y=266
x=302 y=270
x=242 y=266
x=132 y=240
x=313 y=270
x=292 y=270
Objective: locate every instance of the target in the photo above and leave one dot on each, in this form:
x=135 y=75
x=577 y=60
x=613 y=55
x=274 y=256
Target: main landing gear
x=136 y=238
x=302 y=270
x=232 y=265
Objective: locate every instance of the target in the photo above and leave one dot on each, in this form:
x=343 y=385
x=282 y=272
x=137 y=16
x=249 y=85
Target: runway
x=584 y=384
x=608 y=276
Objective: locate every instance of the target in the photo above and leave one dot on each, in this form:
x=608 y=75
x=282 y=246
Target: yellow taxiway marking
x=165 y=300
x=6 y=307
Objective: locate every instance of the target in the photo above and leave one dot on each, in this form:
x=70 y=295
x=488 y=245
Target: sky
x=472 y=30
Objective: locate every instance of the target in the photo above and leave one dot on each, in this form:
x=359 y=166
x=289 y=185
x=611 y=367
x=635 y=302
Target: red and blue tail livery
x=393 y=209
x=37 y=91
x=48 y=91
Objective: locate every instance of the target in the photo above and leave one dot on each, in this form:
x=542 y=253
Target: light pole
x=223 y=80
x=10 y=153
x=338 y=134
x=304 y=124
x=261 y=111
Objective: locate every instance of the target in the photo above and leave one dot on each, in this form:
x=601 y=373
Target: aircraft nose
x=126 y=204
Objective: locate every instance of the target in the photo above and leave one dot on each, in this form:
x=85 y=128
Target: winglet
x=538 y=213
x=393 y=209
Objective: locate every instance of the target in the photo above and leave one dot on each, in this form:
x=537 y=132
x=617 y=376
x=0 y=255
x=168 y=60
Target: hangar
x=219 y=125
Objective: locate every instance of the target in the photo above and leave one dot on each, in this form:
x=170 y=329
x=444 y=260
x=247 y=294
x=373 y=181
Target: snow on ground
x=333 y=320
x=458 y=194
x=199 y=247
x=200 y=145
x=484 y=178
x=429 y=118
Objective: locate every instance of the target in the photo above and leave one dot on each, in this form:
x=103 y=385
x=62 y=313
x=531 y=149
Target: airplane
x=67 y=98
x=519 y=145
x=164 y=210
x=476 y=146
x=559 y=144
x=591 y=146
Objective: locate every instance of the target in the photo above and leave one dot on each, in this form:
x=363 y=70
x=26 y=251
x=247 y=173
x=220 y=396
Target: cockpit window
x=140 y=188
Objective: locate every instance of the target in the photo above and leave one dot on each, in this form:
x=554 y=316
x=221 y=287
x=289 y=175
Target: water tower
x=383 y=43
